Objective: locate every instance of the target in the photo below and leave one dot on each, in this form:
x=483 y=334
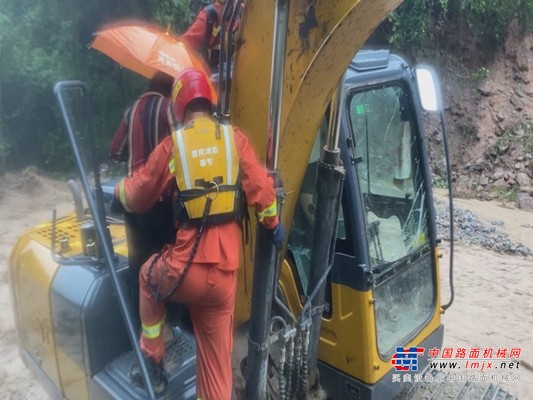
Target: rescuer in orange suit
x=203 y=34
x=210 y=165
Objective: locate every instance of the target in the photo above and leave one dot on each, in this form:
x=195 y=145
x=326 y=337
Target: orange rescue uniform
x=209 y=286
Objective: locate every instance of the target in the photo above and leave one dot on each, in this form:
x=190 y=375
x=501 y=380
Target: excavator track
x=448 y=387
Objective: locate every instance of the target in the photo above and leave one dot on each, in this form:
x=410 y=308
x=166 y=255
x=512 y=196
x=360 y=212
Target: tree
x=44 y=42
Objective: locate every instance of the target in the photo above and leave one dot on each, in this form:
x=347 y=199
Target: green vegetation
x=528 y=137
x=47 y=41
x=509 y=195
x=439 y=182
x=479 y=75
x=413 y=23
x=520 y=134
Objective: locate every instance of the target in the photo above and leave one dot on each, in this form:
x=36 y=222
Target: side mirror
x=428 y=88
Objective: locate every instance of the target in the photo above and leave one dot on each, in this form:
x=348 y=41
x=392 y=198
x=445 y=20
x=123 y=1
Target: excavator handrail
x=97 y=210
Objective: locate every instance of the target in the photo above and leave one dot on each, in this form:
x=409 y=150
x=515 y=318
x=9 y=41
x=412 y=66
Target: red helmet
x=190 y=84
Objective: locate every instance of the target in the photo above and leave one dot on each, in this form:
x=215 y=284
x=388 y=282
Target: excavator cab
x=382 y=291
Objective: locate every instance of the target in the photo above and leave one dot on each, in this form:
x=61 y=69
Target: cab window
x=391 y=183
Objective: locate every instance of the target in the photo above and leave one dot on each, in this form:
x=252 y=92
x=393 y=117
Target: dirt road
x=493 y=305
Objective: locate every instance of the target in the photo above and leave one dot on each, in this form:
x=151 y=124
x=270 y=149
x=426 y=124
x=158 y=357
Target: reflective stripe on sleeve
x=172 y=166
x=122 y=196
x=270 y=211
x=152 y=331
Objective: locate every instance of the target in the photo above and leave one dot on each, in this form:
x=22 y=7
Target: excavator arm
x=323 y=36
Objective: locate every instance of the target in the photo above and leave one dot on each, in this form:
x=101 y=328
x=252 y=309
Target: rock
x=522 y=66
x=524 y=201
x=499 y=117
x=518 y=166
x=483 y=181
x=507 y=176
x=500 y=184
x=484 y=89
x=520 y=93
x=470 y=230
x=503 y=148
x=523 y=179
x=517 y=103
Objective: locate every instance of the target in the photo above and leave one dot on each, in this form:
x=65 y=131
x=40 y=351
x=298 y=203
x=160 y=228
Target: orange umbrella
x=145 y=49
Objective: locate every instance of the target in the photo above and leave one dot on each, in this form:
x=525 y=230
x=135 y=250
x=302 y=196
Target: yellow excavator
x=340 y=128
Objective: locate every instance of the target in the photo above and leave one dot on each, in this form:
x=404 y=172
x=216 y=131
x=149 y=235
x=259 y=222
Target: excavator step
x=180 y=366
x=446 y=386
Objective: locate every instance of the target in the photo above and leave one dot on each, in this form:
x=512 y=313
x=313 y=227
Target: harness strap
x=195 y=193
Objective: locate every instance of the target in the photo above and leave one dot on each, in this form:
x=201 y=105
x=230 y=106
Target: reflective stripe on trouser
x=122 y=196
x=210 y=295
x=152 y=331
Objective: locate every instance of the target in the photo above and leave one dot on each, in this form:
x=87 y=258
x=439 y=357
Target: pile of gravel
x=468 y=229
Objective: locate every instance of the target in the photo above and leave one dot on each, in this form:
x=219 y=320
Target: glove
x=278 y=236
x=116 y=206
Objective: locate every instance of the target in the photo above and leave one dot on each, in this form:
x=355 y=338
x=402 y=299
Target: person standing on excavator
x=203 y=34
x=212 y=168
x=144 y=125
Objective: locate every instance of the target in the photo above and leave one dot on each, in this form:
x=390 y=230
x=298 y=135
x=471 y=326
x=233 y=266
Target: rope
x=155 y=291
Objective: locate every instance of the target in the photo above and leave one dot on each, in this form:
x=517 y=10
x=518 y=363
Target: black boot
x=156 y=372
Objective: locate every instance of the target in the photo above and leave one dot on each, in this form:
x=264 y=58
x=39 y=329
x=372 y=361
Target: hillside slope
x=489 y=115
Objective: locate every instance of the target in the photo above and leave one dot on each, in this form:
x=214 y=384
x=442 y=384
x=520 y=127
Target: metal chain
x=297 y=361
x=290 y=365
x=305 y=359
x=281 y=373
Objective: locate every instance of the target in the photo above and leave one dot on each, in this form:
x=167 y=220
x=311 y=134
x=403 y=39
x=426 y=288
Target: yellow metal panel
x=32 y=272
x=73 y=378
x=348 y=339
x=68 y=227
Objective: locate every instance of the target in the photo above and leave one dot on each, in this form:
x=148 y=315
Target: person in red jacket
x=210 y=165
x=203 y=34
x=144 y=125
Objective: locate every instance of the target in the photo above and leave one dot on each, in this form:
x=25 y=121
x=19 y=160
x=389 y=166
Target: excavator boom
x=323 y=37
